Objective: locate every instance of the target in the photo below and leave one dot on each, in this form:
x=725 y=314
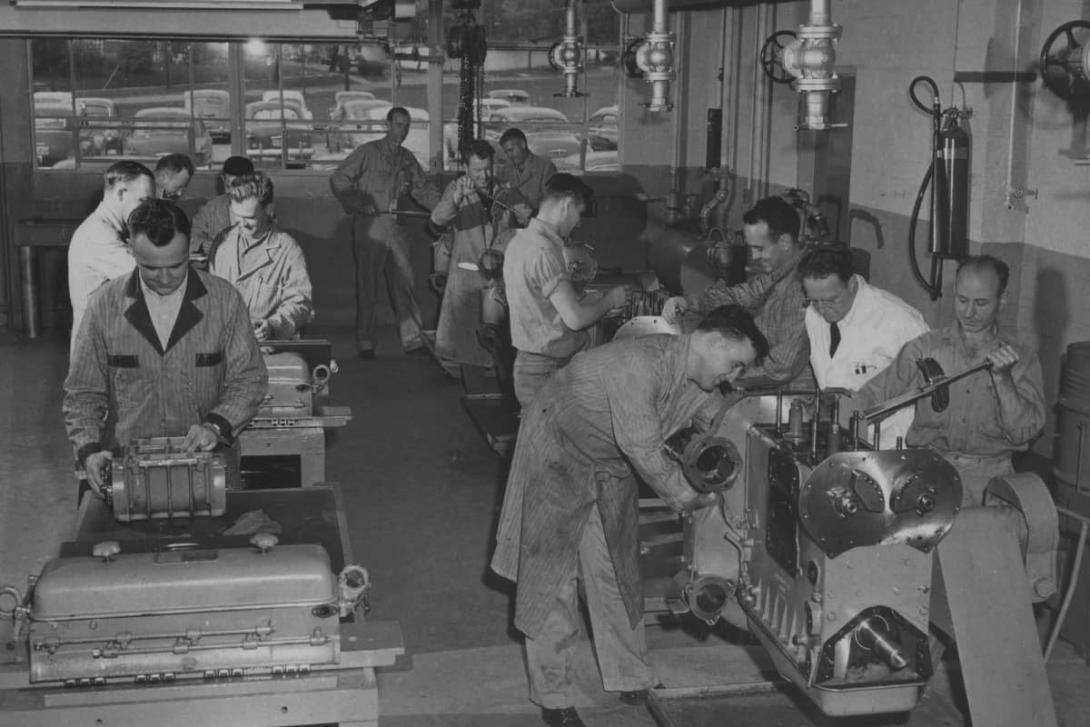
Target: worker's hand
x=1003 y=358
x=617 y=297
x=201 y=438
x=674 y=308
x=522 y=212
x=699 y=501
x=263 y=330
x=465 y=192
x=368 y=209
x=95 y=466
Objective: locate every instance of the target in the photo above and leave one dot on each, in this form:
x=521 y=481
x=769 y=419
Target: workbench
x=345 y=694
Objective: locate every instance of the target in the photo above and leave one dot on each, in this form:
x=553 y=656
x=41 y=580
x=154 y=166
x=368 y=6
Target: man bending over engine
x=570 y=509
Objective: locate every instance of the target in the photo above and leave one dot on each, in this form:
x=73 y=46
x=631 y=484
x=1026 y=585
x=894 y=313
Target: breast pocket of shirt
x=129 y=381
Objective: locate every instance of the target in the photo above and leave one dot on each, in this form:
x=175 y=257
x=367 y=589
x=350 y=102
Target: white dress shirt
x=96 y=254
x=871 y=335
x=163 y=309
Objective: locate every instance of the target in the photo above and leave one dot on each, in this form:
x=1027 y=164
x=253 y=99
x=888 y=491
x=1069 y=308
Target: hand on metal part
x=263 y=330
x=200 y=438
x=674 y=308
x=95 y=466
x=464 y=191
x=698 y=501
x=1003 y=358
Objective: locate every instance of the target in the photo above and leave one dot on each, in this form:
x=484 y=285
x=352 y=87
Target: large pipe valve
x=566 y=55
x=811 y=59
x=655 y=57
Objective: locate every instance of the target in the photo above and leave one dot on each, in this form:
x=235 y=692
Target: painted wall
x=1023 y=138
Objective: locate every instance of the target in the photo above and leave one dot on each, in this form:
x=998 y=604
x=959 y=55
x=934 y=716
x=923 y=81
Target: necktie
x=834 y=339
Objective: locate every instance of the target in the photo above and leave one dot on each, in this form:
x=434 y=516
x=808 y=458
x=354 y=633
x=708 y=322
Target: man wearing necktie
x=855 y=329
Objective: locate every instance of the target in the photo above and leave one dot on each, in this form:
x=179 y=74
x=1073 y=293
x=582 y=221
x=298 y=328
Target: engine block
x=823 y=549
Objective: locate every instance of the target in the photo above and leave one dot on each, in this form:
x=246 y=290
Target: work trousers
x=621 y=650
x=382 y=250
x=976 y=472
x=531 y=371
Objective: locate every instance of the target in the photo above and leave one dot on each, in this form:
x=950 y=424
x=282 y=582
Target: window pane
x=520 y=87
x=355 y=98
x=54 y=125
x=209 y=98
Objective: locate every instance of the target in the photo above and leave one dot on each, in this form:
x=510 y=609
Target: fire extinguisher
x=947 y=177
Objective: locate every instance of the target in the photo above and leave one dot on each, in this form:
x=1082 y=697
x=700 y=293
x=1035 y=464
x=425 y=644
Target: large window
x=307 y=106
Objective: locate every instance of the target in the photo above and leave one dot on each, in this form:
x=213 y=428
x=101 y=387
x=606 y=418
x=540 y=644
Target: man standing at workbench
x=368 y=184
x=570 y=511
x=166 y=351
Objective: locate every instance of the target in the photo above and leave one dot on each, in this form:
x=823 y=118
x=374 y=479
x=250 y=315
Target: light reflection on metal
x=566 y=55
x=655 y=57
x=811 y=60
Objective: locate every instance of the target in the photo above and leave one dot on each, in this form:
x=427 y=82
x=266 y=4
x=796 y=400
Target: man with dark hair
x=773 y=295
x=855 y=329
x=525 y=172
x=570 y=510
x=166 y=351
x=172 y=175
x=988 y=416
x=475 y=220
x=265 y=263
x=98 y=251
x=214 y=217
x=368 y=185
x=548 y=317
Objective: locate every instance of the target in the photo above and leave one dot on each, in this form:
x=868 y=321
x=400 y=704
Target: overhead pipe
x=655 y=57
x=811 y=59
x=566 y=55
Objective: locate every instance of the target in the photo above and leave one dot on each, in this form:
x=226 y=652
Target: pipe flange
x=818 y=85
x=820 y=32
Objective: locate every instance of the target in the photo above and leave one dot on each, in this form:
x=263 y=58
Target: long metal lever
x=904 y=399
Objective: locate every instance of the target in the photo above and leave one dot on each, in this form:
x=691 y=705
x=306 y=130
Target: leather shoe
x=418 y=351
x=564 y=717
x=367 y=354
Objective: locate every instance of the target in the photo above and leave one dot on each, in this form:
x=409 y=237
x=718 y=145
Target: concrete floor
x=422 y=490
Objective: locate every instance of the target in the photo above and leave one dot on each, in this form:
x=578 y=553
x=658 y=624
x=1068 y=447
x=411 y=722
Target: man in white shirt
x=855 y=329
x=98 y=251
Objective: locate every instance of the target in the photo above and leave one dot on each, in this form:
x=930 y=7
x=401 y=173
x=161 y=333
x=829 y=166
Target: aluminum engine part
x=710 y=463
x=846 y=618
x=291 y=390
x=205 y=613
x=154 y=479
x=854 y=499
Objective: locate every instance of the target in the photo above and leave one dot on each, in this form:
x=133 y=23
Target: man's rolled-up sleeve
x=445 y=210
x=1029 y=419
x=86 y=388
x=637 y=429
x=245 y=378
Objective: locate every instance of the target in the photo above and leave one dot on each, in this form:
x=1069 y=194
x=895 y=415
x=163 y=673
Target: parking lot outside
x=306 y=127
